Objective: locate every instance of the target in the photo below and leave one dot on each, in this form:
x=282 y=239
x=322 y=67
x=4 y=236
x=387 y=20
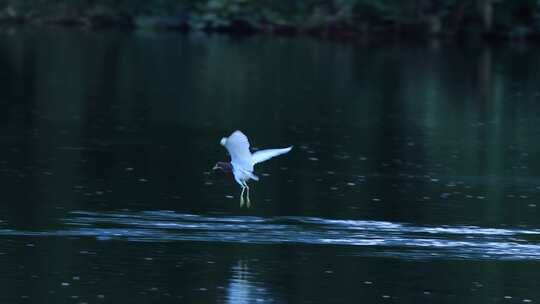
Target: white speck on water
x=527 y=301
x=100 y=296
x=376 y=199
x=99 y=192
x=427 y=292
x=206 y=172
x=351 y=184
x=149 y=259
x=523 y=196
x=385 y=296
x=341 y=155
x=143 y=180
x=328 y=271
x=480 y=197
x=153 y=289
x=532 y=205
x=313 y=158
x=478 y=284
x=76 y=278
x=229 y=196
x=284 y=168
x=65 y=284
x=208 y=183
x=334 y=188
x=362 y=158
x=330 y=172
x=507 y=297
x=30 y=245
x=368 y=282
x=129 y=169
x=203 y=289
x=265 y=174
x=435 y=180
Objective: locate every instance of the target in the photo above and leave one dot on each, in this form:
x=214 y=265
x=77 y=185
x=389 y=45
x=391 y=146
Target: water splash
x=374 y=238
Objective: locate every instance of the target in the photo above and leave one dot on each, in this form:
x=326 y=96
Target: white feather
x=242 y=160
x=262 y=155
x=238 y=146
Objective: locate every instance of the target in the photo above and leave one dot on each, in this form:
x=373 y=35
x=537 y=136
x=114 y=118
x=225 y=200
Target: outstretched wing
x=263 y=155
x=237 y=145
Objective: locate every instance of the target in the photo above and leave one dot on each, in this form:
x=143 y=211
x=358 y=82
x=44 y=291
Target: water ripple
x=372 y=238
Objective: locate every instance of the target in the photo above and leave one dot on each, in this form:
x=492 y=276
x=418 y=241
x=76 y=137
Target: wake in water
x=376 y=238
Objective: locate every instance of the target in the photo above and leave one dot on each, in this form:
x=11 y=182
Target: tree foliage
x=419 y=16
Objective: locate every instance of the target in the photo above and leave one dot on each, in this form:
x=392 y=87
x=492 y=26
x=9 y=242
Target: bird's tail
x=250 y=175
x=253 y=176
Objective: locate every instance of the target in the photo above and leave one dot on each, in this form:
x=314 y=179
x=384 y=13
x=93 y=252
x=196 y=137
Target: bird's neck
x=226 y=166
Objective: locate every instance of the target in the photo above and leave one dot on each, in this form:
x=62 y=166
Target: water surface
x=413 y=177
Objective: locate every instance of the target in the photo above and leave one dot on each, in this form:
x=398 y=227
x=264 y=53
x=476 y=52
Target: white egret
x=242 y=161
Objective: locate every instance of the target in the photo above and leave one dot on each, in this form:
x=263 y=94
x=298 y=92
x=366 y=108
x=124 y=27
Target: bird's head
x=223 y=166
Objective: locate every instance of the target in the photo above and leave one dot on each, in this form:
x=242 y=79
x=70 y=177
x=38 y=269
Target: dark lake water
x=414 y=176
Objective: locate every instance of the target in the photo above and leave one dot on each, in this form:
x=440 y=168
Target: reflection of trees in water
x=18 y=61
x=136 y=94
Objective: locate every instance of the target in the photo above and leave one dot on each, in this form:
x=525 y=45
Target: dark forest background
x=507 y=19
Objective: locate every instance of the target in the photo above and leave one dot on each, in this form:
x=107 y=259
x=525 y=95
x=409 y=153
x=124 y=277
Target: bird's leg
x=247 y=196
x=248 y=202
x=242 y=196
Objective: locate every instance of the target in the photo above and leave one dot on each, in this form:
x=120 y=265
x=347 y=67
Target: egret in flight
x=242 y=161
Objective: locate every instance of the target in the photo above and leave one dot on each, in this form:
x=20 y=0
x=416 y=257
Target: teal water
x=414 y=176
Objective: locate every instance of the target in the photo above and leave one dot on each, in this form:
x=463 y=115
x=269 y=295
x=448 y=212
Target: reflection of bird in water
x=241 y=271
x=241 y=289
x=242 y=160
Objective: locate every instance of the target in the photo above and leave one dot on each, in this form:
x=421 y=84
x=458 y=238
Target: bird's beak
x=215 y=167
